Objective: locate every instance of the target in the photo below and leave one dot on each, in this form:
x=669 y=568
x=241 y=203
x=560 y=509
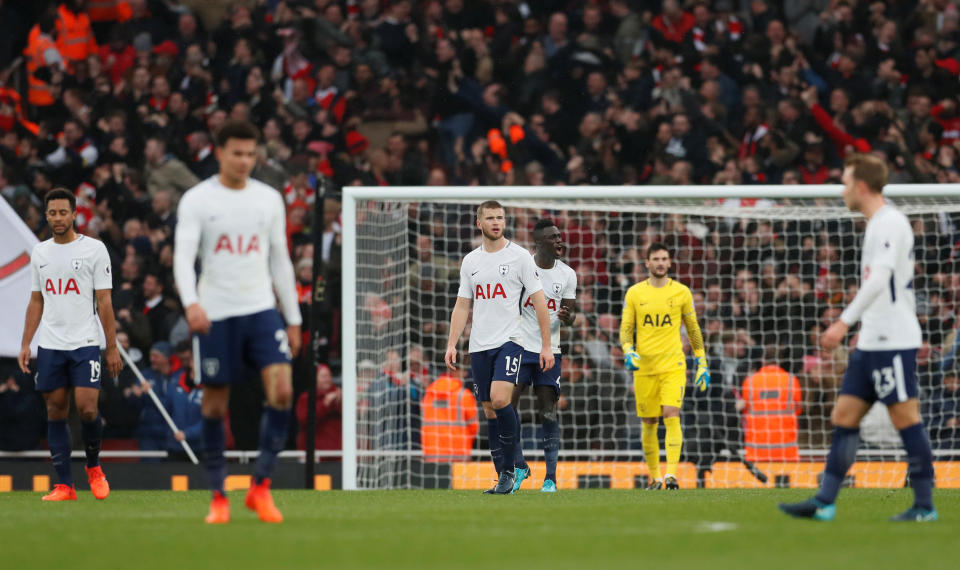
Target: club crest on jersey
x=557 y=287
x=211 y=366
x=504 y=269
x=77 y=264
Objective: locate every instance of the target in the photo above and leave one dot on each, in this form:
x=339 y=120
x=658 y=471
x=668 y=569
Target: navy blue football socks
x=920 y=464
x=843 y=452
x=518 y=459
x=91 y=440
x=507 y=427
x=551 y=447
x=273 y=437
x=496 y=450
x=58 y=437
x=214 y=442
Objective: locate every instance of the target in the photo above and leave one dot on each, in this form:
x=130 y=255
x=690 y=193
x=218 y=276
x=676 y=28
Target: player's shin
x=507 y=428
x=214 y=442
x=496 y=450
x=651 y=449
x=518 y=460
x=92 y=431
x=273 y=437
x=920 y=460
x=843 y=452
x=673 y=441
x=551 y=446
x=58 y=437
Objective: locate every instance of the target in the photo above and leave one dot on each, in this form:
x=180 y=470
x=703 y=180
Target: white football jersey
x=242 y=241
x=68 y=275
x=497 y=282
x=559 y=282
x=890 y=321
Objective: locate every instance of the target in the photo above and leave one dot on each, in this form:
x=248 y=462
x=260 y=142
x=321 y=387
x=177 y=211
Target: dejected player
x=494 y=277
x=238 y=226
x=653 y=311
x=560 y=290
x=883 y=366
x=71 y=286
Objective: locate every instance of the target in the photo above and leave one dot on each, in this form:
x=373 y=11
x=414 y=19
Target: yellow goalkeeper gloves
x=631 y=361
x=702 y=379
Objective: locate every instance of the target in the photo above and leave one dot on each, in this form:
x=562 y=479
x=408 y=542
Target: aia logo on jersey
x=241 y=245
x=551 y=304
x=77 y=264
x=504 y=269
x=490 y=292
x=61 y=287
x=657 y=320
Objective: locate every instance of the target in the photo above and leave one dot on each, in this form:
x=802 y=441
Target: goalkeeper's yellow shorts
x=652 y=391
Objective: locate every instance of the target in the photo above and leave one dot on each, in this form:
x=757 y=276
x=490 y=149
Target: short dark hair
x=237 y=129
x=60 y=193
x=655 y=247
x=488 y=205
x=543 y=223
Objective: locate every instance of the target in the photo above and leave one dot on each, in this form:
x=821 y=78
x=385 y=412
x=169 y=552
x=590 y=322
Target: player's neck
x=872 y=206
x=659 y=282
x=232 y=183
x=544 y=261
x=67 y=237
x=494 y=245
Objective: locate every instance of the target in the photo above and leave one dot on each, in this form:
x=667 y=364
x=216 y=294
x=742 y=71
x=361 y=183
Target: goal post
x=383 y=307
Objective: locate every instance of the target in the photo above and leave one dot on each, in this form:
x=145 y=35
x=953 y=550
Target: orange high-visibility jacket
x=39 y=93
x=449 y=421
x=12 y=98
x=773 y=402
x=109 y=10
x=74 y=35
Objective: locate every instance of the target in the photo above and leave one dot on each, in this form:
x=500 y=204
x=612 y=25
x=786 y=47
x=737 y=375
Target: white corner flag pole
x=156 y=401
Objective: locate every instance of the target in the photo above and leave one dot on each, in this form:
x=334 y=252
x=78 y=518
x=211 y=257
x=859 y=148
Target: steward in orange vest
x=11 y=111
x=449 y=420
x=41 y=53
x=773 y=401
x=74 y=35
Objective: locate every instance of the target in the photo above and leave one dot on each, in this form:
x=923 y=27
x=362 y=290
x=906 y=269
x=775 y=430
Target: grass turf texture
x=586 y=529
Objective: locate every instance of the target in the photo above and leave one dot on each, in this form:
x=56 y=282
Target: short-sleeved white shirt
x=890 y=322
x=497 y=282
x=559 y=282
x=68 y=275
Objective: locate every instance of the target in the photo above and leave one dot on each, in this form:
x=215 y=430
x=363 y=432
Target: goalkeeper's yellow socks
x=651 y=449
x=674 y=443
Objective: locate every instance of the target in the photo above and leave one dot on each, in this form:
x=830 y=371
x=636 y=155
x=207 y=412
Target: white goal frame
x=352 y=194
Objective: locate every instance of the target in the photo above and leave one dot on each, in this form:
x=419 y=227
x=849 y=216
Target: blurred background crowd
x=118 y=100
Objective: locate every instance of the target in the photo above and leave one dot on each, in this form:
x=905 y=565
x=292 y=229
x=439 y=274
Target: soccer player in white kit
x=560 y=290
x=495 y=277
x=238 y=227
x=883 y=366
x=71 y=286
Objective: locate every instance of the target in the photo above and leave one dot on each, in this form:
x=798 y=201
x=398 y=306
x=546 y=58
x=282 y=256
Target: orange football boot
x=260 y=500
x=61 y=493
x=219 y=510
x=98 y=482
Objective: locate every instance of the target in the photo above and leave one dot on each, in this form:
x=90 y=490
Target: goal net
x=769 y=267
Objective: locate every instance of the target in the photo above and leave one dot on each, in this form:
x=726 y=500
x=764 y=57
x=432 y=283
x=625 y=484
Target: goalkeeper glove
x=702 y=379
x=631 y=361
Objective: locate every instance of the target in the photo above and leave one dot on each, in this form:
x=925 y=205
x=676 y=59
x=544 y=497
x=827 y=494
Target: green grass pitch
x=586 y=529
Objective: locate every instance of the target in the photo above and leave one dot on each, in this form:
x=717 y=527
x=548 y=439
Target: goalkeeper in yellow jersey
x=650 y=336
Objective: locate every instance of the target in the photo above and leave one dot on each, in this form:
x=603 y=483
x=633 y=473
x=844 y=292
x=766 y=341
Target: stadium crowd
x=121 y=106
